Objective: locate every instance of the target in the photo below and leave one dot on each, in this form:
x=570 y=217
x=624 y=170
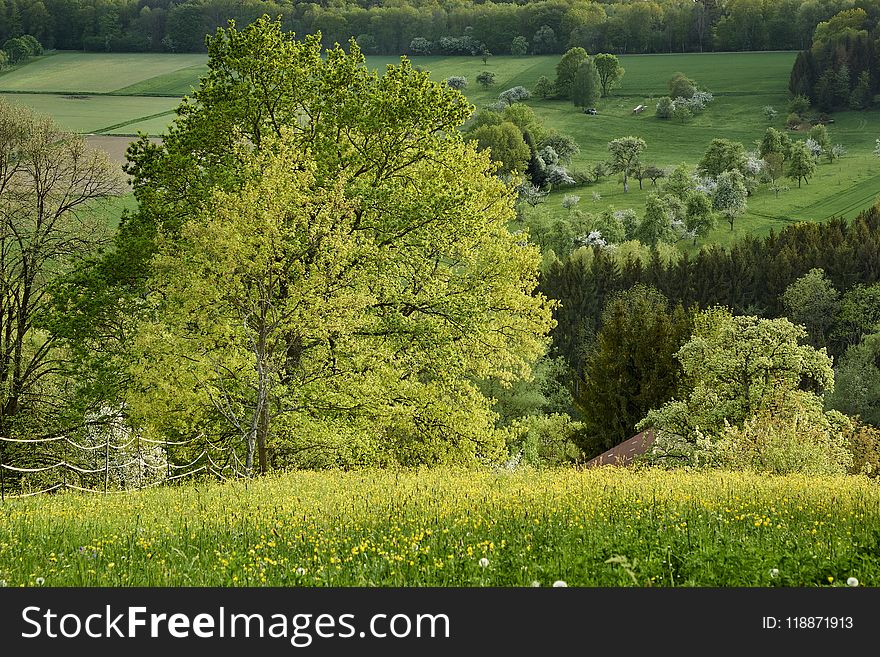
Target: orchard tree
x=802 y=165
x=774 y=141
x=813 y=302
x=655 y=173
x=625 y=154
x=730 y=196
x=457 y=82
x=775 y=167
x=363 y=276
x=585 y=89
x=699 y=218
x=486 y=79
x=819 y=134
x=610 y=71
x=567 y=69
x=656 y=226
x=723 y=155
x=514 y=95
x=543 y=87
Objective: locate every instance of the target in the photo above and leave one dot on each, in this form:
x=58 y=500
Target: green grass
x=433 y=527
x=90 y=73
x=91 y=114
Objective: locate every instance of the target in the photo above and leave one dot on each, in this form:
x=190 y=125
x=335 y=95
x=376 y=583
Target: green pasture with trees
x=463 y=270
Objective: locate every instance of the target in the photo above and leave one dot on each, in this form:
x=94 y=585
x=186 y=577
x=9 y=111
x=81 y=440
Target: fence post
x=106 y=462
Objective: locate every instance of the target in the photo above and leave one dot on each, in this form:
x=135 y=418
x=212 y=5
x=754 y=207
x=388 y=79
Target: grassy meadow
x=598 y=527
x=124 y=94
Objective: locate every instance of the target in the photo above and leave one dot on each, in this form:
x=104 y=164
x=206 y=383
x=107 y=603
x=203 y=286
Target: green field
x=92 y=73
x=65 y=85
x=599 y=527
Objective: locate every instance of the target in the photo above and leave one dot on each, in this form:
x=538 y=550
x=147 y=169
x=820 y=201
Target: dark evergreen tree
x=632 y=367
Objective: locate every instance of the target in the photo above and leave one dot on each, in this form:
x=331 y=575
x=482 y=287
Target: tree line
x=840 y=70
x=423 y=27
x=749 y=277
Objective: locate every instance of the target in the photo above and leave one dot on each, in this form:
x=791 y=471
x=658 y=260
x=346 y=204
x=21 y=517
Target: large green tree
x=801 y=165
x=624 y=155
x=567 y=69
x=737 y=367
x=723 y=155
x=610 y=71
x=51 y=183
x=366 y=277
x=585 y=88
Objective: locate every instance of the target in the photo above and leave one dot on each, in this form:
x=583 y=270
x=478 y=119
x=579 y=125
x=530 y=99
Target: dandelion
x=536 y=584
x=774 y=573
x=852 y=581
x=484 y=562
x=40 y=581
x=300 y=571
x=559 y=584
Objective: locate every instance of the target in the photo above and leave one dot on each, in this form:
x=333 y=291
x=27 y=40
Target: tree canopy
x=354 y=253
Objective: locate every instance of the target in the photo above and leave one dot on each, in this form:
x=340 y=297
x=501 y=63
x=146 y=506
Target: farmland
x=116 y=94
x=601 y=527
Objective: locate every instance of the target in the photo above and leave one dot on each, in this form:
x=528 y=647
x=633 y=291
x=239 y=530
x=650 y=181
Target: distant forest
x=423 y=27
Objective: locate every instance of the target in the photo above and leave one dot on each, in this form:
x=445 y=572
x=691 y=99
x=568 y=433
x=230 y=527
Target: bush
x=665 y=108
x=543 y=440
x=799 y=105
x=864 y=445
x=457 y=82
x=807 y=443
x=421 y=46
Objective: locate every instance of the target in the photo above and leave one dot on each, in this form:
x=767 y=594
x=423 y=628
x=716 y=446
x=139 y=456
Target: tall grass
x=602 y=527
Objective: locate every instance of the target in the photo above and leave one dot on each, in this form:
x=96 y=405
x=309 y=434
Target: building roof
x=624 y=453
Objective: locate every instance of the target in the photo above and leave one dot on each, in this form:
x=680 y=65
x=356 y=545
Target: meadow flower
x=484 y=562
x=559 y=583
x=774 y=573
x=852 y=581
x=300 y=571
x=40 y=581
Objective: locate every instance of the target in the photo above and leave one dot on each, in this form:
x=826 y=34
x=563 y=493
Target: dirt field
x=114 y=146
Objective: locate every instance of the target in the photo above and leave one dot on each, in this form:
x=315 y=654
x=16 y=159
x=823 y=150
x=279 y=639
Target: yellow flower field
x=600 y=527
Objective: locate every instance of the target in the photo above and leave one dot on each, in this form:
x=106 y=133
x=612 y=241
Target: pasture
x=598 y=527
x=124 y=94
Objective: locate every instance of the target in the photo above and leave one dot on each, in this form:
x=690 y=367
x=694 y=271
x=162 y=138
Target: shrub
x=544 y=440
x=421 y=46
x=665 y=108
x=457 y=82
x=864 y=445
x=807 y=443
x=799 y=105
